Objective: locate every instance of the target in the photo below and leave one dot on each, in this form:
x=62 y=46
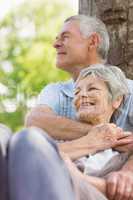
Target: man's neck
x=75 y=73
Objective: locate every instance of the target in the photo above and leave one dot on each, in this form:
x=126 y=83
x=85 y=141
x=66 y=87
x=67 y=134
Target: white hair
x=88 y=26
x=113 y=77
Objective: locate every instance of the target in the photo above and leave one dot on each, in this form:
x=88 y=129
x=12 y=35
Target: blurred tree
x=26 y=55
x=118 y=17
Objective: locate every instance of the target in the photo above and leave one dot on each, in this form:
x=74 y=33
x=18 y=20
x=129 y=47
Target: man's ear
x=94 y=40
x=117 y=102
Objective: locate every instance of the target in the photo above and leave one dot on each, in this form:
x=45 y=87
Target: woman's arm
x=99 y=183
x=98 y=138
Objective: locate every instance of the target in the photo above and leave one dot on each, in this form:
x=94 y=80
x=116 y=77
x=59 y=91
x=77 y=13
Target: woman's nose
x=83 y=93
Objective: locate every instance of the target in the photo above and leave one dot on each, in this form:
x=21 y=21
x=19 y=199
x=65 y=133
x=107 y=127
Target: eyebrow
x=62 y=34
x=65 y=32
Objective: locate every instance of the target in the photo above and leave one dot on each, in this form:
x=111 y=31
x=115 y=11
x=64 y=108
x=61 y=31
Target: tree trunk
x=118 y=17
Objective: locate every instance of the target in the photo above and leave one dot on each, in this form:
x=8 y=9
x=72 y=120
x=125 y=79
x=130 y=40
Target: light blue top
x=59 y=96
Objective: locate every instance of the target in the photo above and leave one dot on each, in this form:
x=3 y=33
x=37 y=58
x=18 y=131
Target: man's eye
x=65 y=36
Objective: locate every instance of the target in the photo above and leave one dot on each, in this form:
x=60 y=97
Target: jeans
x=35 y=168
x=5 y=135
x=31 y=169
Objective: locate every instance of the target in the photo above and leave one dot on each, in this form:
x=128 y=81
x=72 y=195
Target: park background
x=27 y=58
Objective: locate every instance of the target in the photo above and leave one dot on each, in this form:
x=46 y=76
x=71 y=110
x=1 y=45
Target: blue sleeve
x=130 y=111
x=50 y=96
x=130 y=85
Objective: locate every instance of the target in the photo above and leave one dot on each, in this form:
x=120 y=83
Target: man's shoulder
x=130 y=85
x=60 y=84
x=63 y=86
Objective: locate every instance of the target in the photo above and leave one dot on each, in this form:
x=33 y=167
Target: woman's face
x=92 y=101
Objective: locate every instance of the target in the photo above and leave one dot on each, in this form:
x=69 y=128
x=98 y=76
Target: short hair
x=89 y=25
x=113 y=77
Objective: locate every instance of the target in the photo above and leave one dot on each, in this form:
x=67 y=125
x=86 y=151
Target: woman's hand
x=106 y=136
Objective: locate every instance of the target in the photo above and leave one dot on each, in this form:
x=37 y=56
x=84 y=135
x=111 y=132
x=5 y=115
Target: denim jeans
x=5 y=135
x=35 y=168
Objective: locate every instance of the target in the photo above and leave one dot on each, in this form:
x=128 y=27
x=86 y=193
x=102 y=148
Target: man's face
x=92 y=101
x=71 y=47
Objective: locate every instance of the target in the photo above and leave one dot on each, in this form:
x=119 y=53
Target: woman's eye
x=76 y=92
x=92 y=103
x=93 y=88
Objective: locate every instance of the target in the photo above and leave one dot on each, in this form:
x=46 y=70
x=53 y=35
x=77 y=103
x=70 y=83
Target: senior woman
x=99 y=93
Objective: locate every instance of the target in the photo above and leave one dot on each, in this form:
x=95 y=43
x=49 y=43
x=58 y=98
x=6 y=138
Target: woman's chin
x=82 y=116
x=87 y=117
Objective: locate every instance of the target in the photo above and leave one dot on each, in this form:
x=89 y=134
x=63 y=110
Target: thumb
x=123 y=134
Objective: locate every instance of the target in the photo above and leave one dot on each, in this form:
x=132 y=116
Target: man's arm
x=128 y=165
x=120 y=184
x=58 y=127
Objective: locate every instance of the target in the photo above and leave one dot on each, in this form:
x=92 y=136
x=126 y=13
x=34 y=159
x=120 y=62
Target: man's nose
x=57 y=43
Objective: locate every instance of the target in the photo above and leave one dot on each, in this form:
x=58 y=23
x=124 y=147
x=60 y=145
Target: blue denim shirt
x=59 y=96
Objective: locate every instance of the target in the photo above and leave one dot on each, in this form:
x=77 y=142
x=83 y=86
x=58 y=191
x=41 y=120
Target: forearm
x=79 y=147
x=129 y=164
x=98 y=183
x=58 y=127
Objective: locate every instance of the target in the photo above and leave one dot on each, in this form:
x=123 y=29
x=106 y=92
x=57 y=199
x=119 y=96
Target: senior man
x=82 y=41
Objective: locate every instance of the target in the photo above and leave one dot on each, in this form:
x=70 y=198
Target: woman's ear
x=117 y=102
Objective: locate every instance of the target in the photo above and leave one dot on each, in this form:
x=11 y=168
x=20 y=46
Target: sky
x=6 y=5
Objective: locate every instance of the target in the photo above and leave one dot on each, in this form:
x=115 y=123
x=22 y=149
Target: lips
x=85 y=105
x=88 y=104
x=61 y=53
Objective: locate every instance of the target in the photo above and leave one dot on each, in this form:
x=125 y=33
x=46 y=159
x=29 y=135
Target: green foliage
x=27 y=59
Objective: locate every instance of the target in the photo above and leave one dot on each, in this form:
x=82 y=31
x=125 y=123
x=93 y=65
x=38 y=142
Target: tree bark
x=118 y=17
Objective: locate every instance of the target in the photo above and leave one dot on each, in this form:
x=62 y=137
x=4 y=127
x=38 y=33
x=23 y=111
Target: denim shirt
x=59 y=97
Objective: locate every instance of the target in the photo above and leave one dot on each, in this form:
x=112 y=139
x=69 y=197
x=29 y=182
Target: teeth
x=87 y=104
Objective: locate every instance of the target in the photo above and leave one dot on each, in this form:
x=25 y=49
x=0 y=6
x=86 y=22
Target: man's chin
x=62 y=66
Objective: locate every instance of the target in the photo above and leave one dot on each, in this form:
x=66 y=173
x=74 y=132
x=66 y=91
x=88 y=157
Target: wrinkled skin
x=92 y=101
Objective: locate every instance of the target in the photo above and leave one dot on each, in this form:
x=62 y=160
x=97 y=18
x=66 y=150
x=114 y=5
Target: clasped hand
x=108 y=135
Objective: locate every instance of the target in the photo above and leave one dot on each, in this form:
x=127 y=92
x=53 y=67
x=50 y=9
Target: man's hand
x=127 y=147
x=108 y=135
x=119 y=185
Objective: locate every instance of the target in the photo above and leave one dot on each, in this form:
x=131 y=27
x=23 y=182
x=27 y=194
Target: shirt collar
x=68 y=88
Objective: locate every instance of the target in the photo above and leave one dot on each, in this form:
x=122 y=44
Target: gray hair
x=113 y=77
x=88 y=26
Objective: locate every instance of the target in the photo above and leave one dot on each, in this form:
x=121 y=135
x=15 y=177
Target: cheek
x=80 y=49
x=102 y=107
x=76 y=103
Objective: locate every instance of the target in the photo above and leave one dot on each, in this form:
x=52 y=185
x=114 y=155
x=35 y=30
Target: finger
x=124 y=141
x=123 y=134
x=112 y=124
x=131 y=195
x=120 y=189
x=128 y=192
x=124 y=148
x=111 y=187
